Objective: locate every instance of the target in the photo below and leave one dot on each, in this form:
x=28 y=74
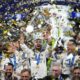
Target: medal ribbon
x=37 y=58
x=14 y=63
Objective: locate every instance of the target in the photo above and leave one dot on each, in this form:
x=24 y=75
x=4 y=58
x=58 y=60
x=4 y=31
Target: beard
x=8 y=74
x=38 y=47
x=76 y=78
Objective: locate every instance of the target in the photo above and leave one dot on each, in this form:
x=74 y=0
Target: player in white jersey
x=37 y=59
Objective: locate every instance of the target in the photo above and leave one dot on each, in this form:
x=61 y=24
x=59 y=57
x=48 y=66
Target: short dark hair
x=76 y=68
x=26 y=70
x=10 y=64
x=73 y=41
